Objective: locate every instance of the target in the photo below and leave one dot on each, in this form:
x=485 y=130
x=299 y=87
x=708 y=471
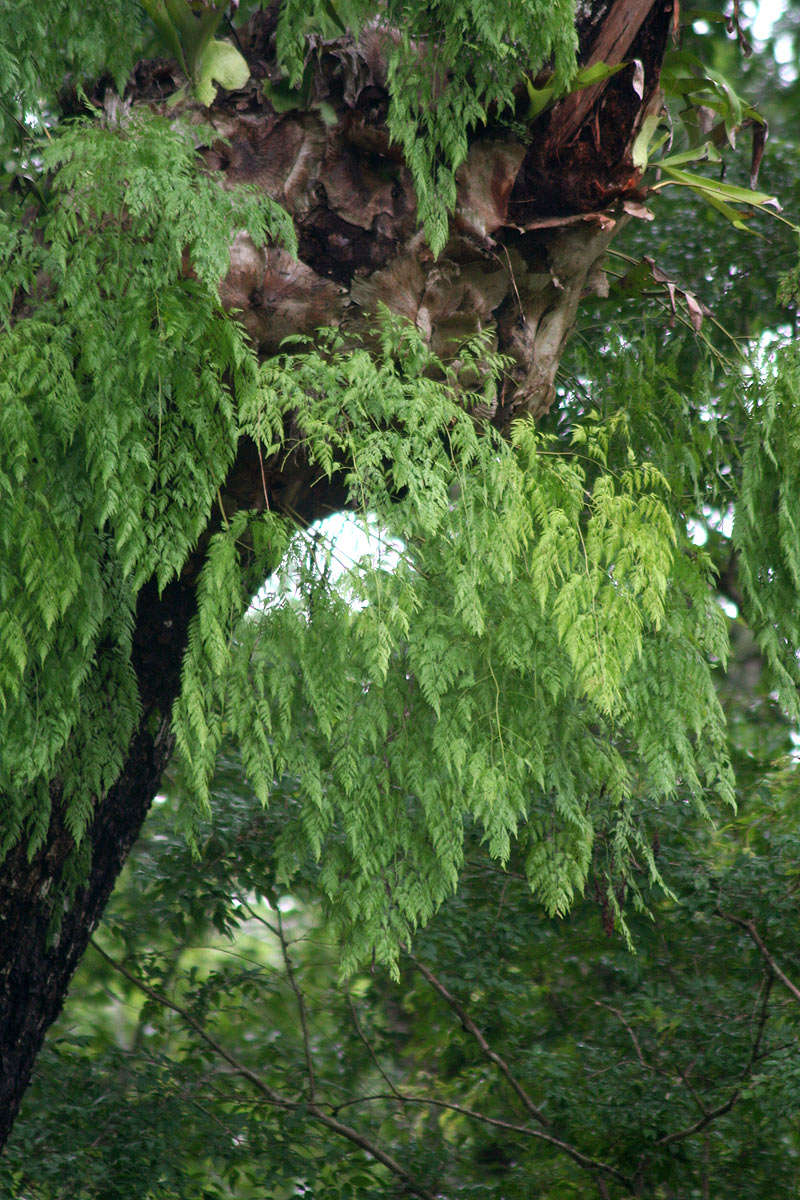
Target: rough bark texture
x=532 y=223
x=36 y=958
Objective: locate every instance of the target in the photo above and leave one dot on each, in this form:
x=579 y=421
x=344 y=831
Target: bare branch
x=301 y=1007
x=762 y=1022
x=728 y=1104
x=648 y=1066
x=239 y=1067
x=684 y=1075
x=632 y=1035
x=346 y=1131
x=370 y=1050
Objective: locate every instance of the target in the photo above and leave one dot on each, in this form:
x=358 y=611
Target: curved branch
x=472 y=1028
x=727 y=1105
x=583 y=1160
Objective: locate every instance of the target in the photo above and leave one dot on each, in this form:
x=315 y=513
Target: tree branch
x=631 y=1034
x=301 y=1006
x=274 y=1098
x=239 y=1067
x=472 y=1028
x=370 y=1050
x=728 y=1104
x=583 y=1160
x=749 y=927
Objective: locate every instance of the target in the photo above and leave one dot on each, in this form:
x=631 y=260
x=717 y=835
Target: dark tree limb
x=614 y=39
x=36 y=963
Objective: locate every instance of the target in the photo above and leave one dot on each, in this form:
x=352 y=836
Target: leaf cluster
x=117 y=423
x=537 y=660
x=670 y=1068
x=42 y=47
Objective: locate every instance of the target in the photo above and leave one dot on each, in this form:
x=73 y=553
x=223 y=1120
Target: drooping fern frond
x=537 y=661
x=116 y=425
x=766 y=529
x=537 y=664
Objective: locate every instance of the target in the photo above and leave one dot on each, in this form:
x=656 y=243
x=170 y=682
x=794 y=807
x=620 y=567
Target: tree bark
x=37 y=957
x=530 y=229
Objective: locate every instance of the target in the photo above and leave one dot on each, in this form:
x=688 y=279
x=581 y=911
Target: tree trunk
x=37 y=957
x=531 y=226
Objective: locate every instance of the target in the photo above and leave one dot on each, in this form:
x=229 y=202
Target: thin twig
x=352 y=1135
x=711 y=1115
x=651 y=1066
x=160 y=999
x=239 y=1068
x=631 y=1034
x=472 y=1028
x=750 y=928
x=370 y=1049
x=263 y=475
x=691 y=1089
x=301 y=1007
x=501 y=901
x=762 y=1022
x=589 y=1164
x=209 y=1114
x=728 y=1104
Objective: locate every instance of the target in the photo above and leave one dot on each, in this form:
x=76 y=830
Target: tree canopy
x=473 y=864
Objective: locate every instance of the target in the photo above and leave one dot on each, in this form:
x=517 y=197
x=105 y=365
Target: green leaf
x=641 y=151
x=220 y=63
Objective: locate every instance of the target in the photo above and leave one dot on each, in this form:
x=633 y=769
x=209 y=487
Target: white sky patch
x=698 y=532
x=762 y=16
x=721 y=522
x=758 y=19
x=728 y=607
x=346 y=541
x=352 y=539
